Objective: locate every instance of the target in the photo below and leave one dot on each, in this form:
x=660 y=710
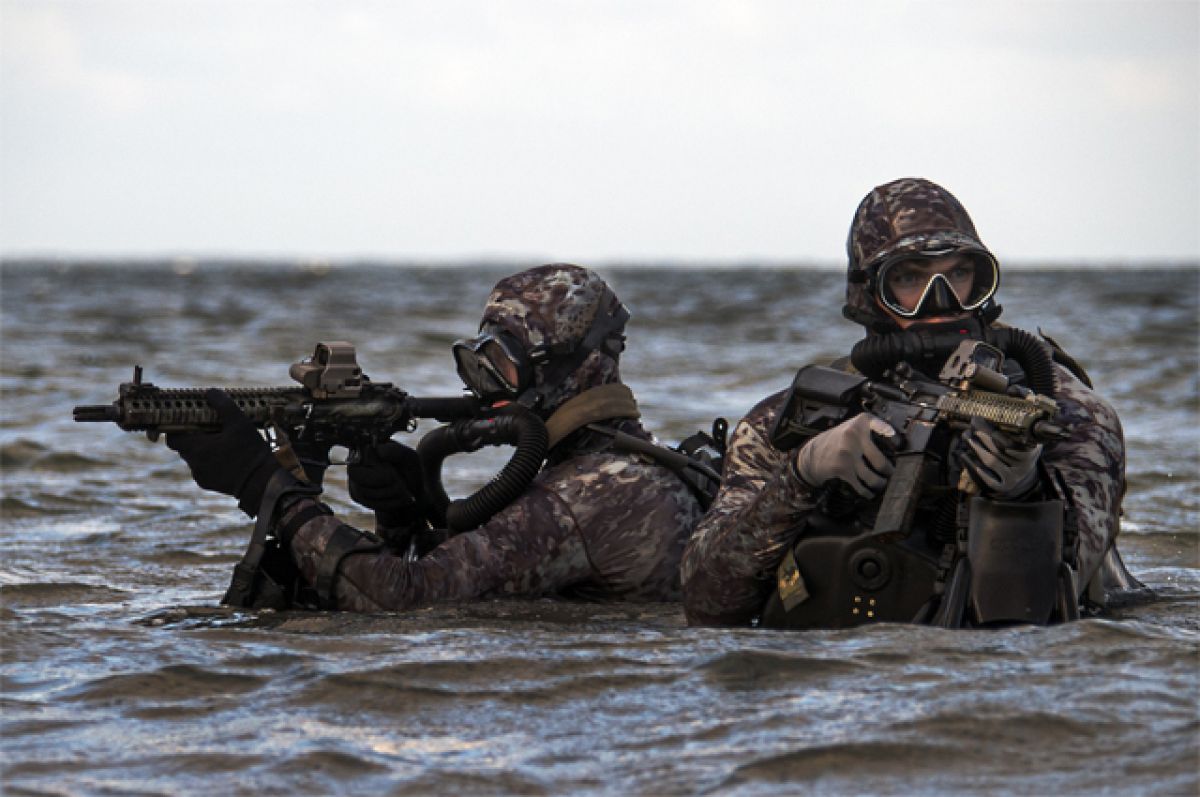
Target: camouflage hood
x=552 y=308
x=911 y=215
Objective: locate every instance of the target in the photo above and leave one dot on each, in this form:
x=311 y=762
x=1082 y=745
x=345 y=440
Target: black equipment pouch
x=1015 y=553
x=707 y=453
x=830 y=581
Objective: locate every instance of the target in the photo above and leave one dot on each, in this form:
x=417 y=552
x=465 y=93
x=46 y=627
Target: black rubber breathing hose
x=876 y=354
x=1033 y=356
x=517 y=427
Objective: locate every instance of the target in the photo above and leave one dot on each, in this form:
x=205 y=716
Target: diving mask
x=494 y=365
x=937 y=282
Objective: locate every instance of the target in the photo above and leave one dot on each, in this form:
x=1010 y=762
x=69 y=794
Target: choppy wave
x=121 y=674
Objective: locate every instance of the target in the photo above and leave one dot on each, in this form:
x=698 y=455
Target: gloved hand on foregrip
x=388 y=479
x=235 y=461
x=1003 y=466
x=857 y=452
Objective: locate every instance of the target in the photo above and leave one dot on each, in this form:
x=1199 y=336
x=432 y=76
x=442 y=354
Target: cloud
x=711 y=128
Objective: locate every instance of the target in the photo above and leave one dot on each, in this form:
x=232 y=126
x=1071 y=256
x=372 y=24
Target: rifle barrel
x=97 y=413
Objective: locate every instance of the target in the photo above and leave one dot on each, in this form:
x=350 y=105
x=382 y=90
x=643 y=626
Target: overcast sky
x=592 y=131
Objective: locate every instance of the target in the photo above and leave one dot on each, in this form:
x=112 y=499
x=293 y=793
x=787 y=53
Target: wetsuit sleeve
x=1091 y=463
x=532 y=547
x=730 y=562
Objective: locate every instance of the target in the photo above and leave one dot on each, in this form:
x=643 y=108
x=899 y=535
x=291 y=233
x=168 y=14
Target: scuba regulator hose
x=514 y=425
x=874 y=355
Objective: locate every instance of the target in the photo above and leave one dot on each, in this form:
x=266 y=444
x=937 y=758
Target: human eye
x=963 y=272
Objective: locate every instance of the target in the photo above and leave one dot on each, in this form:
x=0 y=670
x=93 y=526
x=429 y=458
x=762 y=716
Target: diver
x=599 y=521
x=790 y=541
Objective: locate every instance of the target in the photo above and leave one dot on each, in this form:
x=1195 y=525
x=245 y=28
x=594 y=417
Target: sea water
x=122 y=675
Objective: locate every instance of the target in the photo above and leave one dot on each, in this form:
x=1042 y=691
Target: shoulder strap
x=692 y=461
x=701 y=477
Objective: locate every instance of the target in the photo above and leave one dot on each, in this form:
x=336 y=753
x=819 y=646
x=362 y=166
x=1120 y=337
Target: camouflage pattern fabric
x=553 y=305
x=730 y=563
x=596 y=524
x=908 y=215
x=1092 y=466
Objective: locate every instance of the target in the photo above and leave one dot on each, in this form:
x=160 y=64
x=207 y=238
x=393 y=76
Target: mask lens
x=490 y=366
x=987 y=280
x=470 y=369
x=502 y=364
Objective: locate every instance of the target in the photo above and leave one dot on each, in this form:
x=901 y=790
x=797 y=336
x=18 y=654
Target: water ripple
x=121 y=675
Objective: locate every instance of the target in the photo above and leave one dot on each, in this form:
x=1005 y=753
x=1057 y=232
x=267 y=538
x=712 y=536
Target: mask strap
x=604 y=334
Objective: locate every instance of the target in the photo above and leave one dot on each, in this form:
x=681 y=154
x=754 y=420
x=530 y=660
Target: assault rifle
x=922 y=411
x=335 y=403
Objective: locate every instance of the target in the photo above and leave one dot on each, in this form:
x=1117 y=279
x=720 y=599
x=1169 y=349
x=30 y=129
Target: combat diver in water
x=596 y=523
x=789 y=541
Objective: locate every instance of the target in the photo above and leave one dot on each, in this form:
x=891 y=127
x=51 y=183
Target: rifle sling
x=606 y=402
x=242 y=585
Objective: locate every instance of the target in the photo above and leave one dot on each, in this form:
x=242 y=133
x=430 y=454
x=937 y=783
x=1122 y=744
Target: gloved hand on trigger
x=314 y=458
x=1001 y=465
x=235 y=461
x=857 y=452
x=389 y=480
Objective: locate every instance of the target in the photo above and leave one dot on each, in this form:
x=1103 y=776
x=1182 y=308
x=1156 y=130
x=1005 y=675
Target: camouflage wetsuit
x=596 y=524
x=729 y=567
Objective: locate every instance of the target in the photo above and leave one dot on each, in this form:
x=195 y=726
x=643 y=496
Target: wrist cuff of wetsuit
x=792 y=467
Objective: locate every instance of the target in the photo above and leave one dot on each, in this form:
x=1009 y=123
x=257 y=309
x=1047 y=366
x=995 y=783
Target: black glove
x=388 y=479
x=1003 y=466
x=235 y=461
x=857 y=452
x=313 y=456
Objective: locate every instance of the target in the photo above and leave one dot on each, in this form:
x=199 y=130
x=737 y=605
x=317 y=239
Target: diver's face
x=907 y=281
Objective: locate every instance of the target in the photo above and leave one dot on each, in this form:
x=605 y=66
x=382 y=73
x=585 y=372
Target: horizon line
x=188 y=263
